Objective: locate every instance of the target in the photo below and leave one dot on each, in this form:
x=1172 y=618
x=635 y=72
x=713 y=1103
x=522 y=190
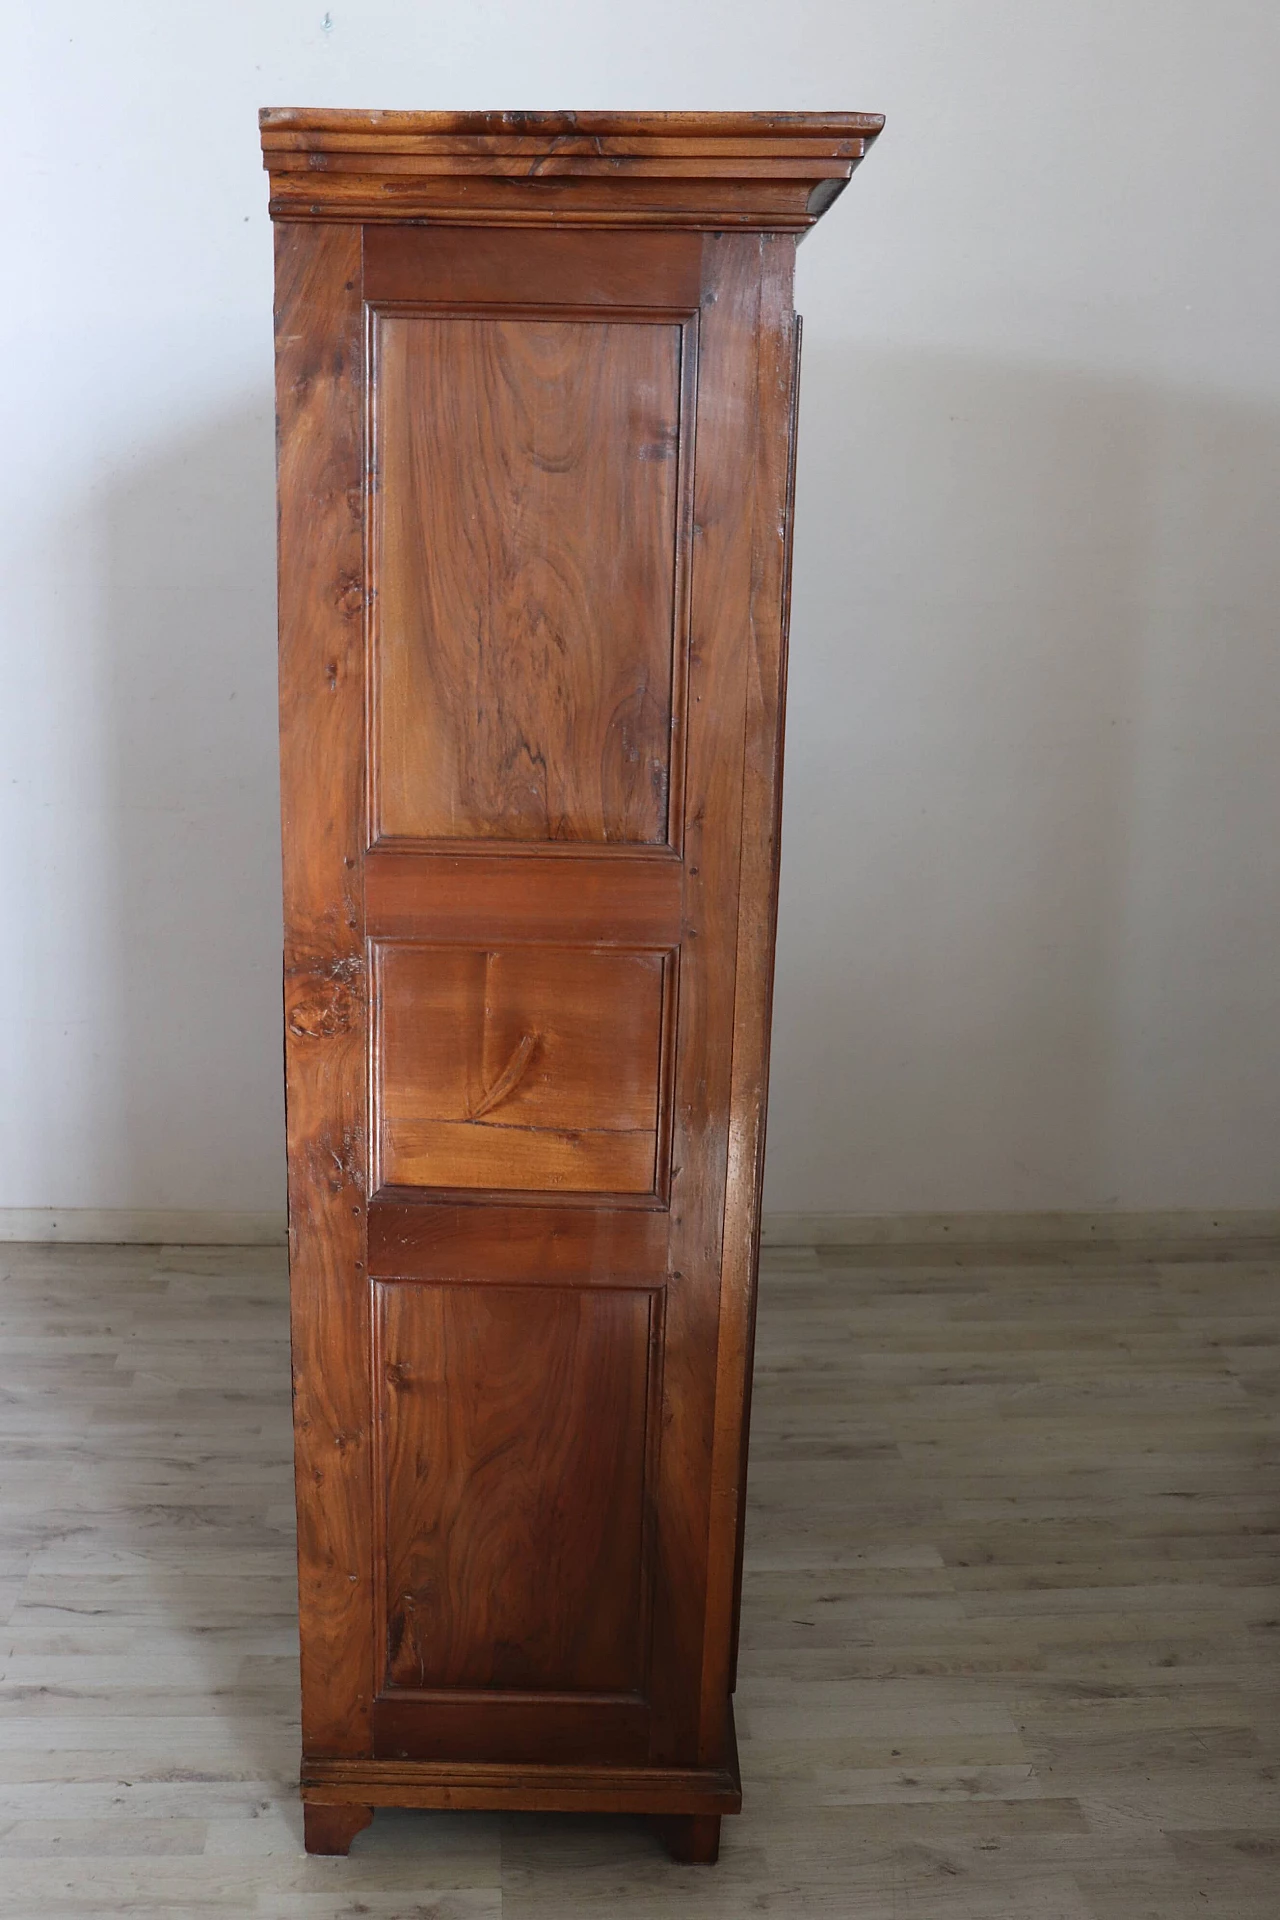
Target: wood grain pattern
x=721 y=585
x=556 y=267
x=568 y=128
x=773 y=403
x=525 y=568
x=753 y=1011
x=500 y=1159
x=569 y=895
x=774 y=171
x=609 y=197
x=515 y=1449
x=547 y=952
x=319 y=380
x=549 y=1787
x=329 y=1826
x=531 y=1727
x=524 y=1067
x=534 y=1242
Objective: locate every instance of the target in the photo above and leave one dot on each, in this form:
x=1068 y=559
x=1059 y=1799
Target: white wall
x=1028 y=953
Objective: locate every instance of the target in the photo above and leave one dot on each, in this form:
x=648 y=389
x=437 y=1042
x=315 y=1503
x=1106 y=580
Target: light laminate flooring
x=1011 y=1617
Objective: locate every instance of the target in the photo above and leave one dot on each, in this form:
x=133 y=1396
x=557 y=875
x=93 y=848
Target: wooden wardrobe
x=536 y=398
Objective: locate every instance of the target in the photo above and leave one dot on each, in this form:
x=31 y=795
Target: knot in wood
x=324 y=1008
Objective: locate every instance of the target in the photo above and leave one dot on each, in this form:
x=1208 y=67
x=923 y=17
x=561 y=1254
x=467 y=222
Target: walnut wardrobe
x=536 y=382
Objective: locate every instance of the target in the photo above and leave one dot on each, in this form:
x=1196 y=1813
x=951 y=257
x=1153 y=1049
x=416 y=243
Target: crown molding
x=777 y=172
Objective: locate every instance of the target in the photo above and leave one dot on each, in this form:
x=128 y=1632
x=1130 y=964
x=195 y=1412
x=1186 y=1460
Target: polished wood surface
x=553 y=266
x=319 y=387
x=773 y=171
x=541 y=655
x=520 y=1067
x=525 y=539
x=512 y=1502
x=515 y=1240
x=1008 y=1641
x=330 y=1827
x=589 y=900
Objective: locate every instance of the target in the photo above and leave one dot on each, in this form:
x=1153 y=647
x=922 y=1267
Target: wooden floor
x=1011 y=1623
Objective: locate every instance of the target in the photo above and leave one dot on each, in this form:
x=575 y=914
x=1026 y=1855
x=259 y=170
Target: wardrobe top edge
x=759 y=172
x=561 y=124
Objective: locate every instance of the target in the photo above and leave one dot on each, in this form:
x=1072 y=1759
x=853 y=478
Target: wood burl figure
x=536 y=401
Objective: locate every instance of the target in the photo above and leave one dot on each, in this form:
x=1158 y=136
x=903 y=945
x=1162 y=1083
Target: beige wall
x=1028 y=950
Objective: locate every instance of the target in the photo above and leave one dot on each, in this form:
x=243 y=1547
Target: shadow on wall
x=1029 y=909
x=1030 y=901
x=194 y=937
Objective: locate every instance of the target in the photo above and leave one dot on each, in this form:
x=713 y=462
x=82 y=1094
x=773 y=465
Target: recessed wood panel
x=524 y=1068
x=515 y=1441
x=525 y=576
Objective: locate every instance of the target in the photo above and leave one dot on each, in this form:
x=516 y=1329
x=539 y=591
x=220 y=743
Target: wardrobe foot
x=329 y=1826
x=693 y=1837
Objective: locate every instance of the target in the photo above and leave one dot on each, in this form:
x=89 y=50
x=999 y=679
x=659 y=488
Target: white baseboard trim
x=132 y=1226
x=1006 y=1229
